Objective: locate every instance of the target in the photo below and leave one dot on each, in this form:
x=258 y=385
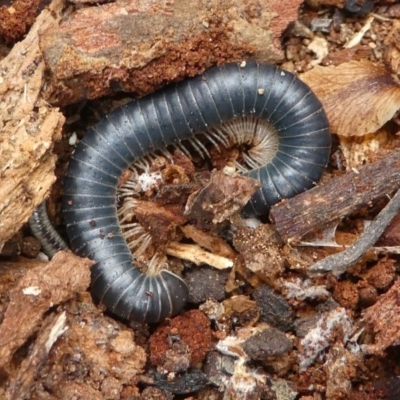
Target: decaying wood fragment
x=317 y=208
x=223 y=197
x=54 y=327
x=10 y=274
x=79 y=350
x=384 y=320
x=210 y=241
x=28 y=128
x=392 y=53
x=40 y=289
x=197 y=255
x=261 y=252
x=97 y=357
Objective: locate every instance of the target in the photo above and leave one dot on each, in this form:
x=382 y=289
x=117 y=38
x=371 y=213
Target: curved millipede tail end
x=275 y=106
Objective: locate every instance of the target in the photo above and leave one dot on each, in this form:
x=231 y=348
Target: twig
x=319 y=207
x=197 y=255
x=338 y=263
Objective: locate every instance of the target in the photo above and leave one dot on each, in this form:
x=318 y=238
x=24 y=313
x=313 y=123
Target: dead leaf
x=358 y=96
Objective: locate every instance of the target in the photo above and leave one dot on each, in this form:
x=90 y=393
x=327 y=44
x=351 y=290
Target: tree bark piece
x=317 y=208
x=28 y=128
x=139 y=46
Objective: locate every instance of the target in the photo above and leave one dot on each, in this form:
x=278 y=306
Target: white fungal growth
x=73 y=140
x=59 y=328
x=302 y=290
x=243 y=382
x=148 y=180
x=32 y=291
x=319 y=338
x=232 y=346
x=141 y=177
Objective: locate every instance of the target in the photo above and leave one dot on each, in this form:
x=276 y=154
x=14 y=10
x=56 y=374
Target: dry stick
x=197 y=255
x=317 y=208
x=338 y=263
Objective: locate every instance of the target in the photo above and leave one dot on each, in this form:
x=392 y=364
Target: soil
x=258 y=324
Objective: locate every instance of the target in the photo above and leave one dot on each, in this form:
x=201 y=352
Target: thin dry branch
x=316 y=209
x=197 y=255
x=338 y=263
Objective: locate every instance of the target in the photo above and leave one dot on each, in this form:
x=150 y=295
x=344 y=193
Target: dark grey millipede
x=222 y=94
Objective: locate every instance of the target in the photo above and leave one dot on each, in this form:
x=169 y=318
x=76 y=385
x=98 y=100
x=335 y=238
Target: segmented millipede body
x=44 y=231
x=220 y=95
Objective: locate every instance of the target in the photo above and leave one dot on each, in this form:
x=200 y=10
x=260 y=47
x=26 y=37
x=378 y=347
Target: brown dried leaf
x=161 y=222
x=358 y=96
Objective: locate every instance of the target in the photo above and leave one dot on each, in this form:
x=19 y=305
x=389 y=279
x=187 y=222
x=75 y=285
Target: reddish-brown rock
x=139 y=46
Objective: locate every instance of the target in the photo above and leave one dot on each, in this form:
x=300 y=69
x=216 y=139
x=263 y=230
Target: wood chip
x=197 y=255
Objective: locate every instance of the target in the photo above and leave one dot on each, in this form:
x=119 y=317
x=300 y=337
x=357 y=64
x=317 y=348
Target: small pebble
x=270 y=342
x=206 y=283
x=274 y=308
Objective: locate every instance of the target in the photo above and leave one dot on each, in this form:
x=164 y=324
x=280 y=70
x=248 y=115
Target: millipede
x=291 y=152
